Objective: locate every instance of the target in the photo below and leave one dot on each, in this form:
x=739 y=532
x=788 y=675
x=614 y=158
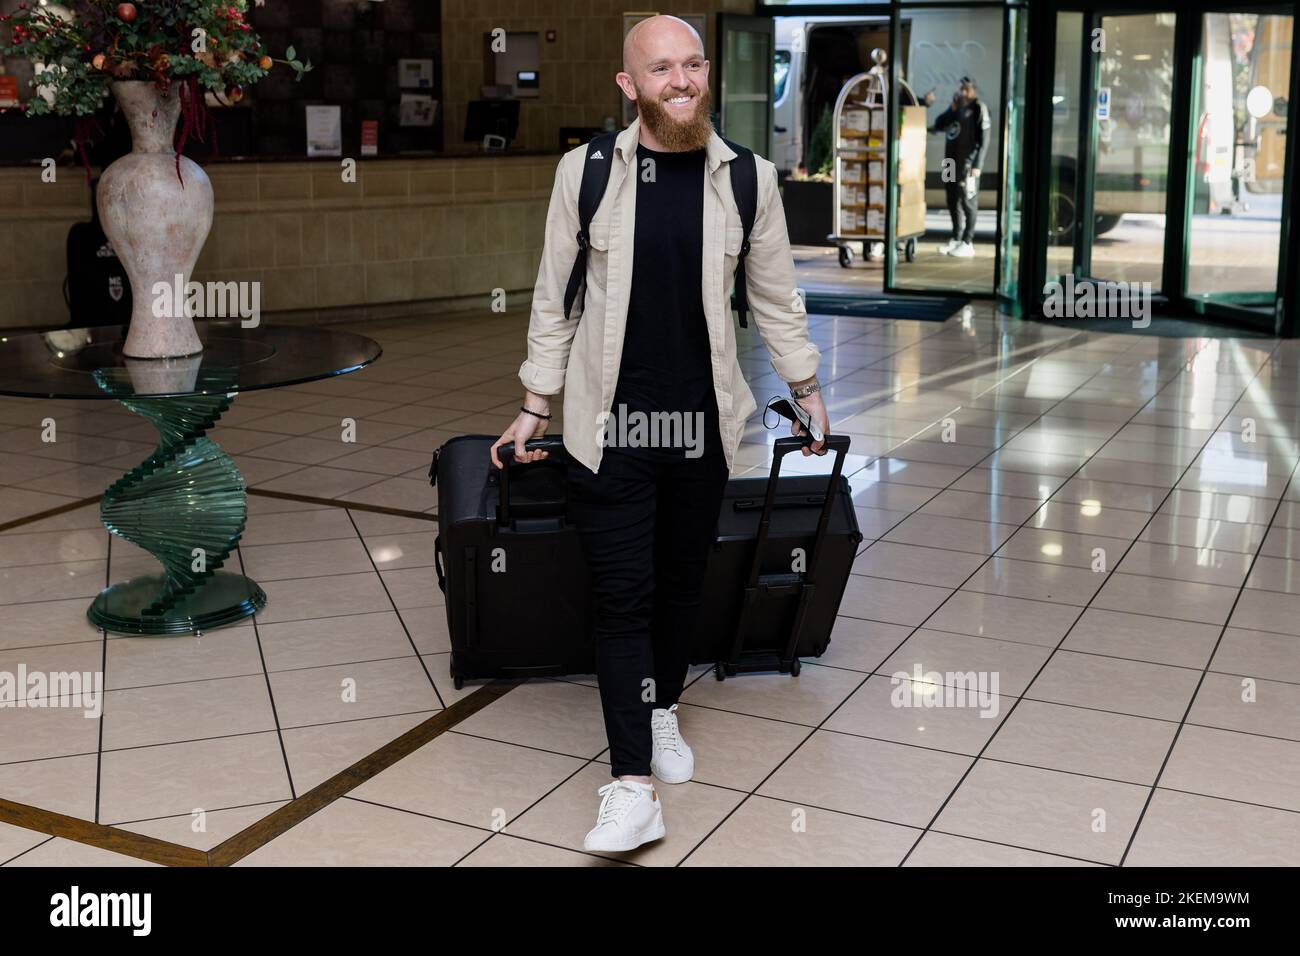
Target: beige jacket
x=581 y=354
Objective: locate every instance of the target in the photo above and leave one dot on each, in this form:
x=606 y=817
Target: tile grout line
x=868 y=675
x=99 y=748
x=1066 y=341
x=343 y=503
x=397 y=611
x=1119 y=427
x=896 y=352
x=1186 y=367
x=270 y=690
x=266 y=829
x=49 y=512
x=1191 y=702
x=278 y=822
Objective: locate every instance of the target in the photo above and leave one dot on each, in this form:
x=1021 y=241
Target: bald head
x=659 y=37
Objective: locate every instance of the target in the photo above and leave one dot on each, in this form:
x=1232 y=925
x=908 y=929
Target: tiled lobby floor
x=1077 y=515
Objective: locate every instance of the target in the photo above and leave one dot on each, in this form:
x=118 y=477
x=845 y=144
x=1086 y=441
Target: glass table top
x=88 y=362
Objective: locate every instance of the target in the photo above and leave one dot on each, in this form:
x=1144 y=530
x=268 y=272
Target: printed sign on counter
x=324 y=130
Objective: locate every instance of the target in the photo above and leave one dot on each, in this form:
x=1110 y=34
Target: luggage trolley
x=859 y=156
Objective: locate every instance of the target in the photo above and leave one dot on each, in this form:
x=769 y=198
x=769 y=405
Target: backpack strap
x=595 y=176
x=744 y=188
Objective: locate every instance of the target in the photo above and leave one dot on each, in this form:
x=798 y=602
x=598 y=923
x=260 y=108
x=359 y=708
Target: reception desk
x=439 y=233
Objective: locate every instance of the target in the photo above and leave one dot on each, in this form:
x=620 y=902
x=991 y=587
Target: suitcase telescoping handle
x=551 y=443
x=839 y=444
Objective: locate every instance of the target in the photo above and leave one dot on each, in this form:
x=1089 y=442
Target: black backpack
x=595 y=176
x=96 y=288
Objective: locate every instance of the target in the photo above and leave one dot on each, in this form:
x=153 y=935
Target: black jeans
x=647 y=528
x=960 y=208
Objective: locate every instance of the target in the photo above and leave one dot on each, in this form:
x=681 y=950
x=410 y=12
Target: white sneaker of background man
x=947 y=248
x=963 y=250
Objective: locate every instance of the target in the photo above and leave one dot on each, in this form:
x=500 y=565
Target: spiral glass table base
x=223 y=599
x=185 y=504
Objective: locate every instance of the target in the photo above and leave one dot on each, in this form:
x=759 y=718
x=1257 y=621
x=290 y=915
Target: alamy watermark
x=77 y=909
x=62 y=689
x=975 y=689
x=636 y=429
x=1095 y=299
x=209 y=300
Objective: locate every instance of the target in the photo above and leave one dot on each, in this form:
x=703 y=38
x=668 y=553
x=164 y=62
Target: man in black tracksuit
x=965 y=124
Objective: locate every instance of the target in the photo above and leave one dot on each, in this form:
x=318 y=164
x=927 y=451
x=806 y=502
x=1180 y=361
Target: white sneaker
x=947 y=248
x=964 y=250
x=671 y=759
x=629 y=815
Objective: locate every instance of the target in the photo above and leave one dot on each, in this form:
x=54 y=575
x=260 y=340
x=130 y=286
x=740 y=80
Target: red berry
x=126 y=12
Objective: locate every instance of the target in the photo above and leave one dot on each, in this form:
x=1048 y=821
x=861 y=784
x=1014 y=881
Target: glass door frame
x=879 y=8
x=1172 y=297
x=744 y=23
x=1277 y=323
x=1012 y=145
x=889 y=285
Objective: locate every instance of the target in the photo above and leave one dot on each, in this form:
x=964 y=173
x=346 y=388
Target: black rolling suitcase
x=782 y=558
x=518 y=592
x=511 y=567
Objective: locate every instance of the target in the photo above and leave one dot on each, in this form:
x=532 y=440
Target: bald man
x=655 y=401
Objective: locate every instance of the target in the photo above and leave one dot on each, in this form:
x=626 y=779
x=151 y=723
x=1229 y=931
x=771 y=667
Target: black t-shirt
x=666 y=364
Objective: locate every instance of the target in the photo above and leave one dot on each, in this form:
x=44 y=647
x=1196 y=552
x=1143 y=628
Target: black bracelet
x=531 y=412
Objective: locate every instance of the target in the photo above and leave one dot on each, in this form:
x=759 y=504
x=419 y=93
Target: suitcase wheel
x=717 y=672
x=458 y=683
x=794 y=668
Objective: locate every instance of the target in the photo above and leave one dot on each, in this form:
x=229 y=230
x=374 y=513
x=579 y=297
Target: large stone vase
x=156 y=221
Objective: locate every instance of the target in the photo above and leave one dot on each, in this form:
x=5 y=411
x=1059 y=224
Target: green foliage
x=86 y=44
x=819 y=146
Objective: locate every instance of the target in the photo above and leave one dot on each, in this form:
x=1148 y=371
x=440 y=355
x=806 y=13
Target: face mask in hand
x=792 y=411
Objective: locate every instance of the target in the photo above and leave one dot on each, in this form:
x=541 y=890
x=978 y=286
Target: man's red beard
x=676 y=135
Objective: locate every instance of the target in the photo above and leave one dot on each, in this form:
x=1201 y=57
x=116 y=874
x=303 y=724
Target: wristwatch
x=803 y=391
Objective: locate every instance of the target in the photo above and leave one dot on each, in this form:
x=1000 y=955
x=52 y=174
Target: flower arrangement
x=85 y=45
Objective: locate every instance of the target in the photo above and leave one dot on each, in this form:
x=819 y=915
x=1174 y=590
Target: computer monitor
x=499 y=117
